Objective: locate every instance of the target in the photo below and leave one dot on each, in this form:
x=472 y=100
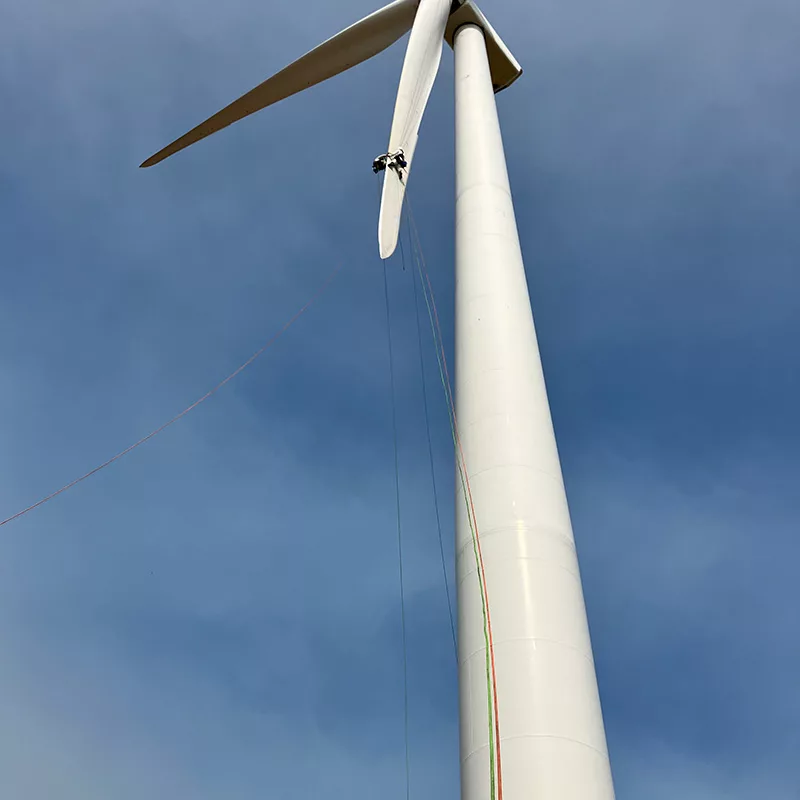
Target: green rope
x=439 y=346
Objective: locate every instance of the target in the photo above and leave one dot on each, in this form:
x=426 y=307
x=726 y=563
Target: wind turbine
x=531 y=725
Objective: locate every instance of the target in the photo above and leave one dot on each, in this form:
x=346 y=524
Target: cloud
x=217 y=615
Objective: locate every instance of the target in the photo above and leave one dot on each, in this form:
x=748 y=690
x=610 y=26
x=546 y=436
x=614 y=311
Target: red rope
x=478 y=540
x=183 y=413
x=471 y=503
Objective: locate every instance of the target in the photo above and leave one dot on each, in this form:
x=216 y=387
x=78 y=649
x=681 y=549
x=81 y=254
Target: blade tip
x=387 y=240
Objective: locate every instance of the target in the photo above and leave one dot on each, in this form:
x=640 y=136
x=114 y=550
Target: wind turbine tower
x=531 y=725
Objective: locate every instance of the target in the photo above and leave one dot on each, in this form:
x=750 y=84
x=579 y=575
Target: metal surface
x=355 y=44
x=553 y=743
x=423 y=56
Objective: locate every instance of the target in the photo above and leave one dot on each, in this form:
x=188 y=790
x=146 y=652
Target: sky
x=217 y=615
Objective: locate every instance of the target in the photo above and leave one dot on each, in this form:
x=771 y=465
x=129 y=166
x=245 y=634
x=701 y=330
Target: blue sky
x=217 y=615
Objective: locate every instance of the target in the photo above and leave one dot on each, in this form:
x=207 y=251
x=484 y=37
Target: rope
x=399 y=531
x=496 y=780
x=183 y=413
x=430 y=446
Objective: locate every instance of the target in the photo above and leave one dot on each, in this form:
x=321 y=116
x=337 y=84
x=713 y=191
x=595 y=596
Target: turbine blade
x=355 y=44
x=421 y=65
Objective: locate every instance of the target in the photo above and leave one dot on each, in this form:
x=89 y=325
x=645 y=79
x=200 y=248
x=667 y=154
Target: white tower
x=552 y=742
